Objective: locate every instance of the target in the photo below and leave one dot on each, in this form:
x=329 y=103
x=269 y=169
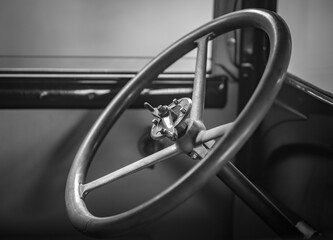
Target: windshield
x=310 y=23
x=117 y=35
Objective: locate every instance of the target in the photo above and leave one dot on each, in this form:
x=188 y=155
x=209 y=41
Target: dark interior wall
x=37 y=148
x=293 y=161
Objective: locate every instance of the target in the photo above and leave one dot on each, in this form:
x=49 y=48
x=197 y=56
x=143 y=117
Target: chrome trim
x=309 y=89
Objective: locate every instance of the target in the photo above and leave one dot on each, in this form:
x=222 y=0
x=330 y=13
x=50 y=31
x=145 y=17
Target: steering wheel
x=181 y=121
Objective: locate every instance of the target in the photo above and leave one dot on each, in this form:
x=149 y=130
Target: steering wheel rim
x=225 y=148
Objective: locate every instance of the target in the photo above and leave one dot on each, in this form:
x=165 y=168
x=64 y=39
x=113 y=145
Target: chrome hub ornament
x=170 y=119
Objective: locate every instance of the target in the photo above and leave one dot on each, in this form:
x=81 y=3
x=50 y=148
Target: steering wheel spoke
x=205 y=140
x=199 y=84
x=143 y=163
x=208 y=135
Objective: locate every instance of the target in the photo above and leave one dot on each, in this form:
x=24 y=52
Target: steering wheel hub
x=170 y=119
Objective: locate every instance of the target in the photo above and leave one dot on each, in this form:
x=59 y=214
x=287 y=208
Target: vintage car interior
x=178 y=119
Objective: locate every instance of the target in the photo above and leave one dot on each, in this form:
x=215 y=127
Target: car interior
x=178 y=119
